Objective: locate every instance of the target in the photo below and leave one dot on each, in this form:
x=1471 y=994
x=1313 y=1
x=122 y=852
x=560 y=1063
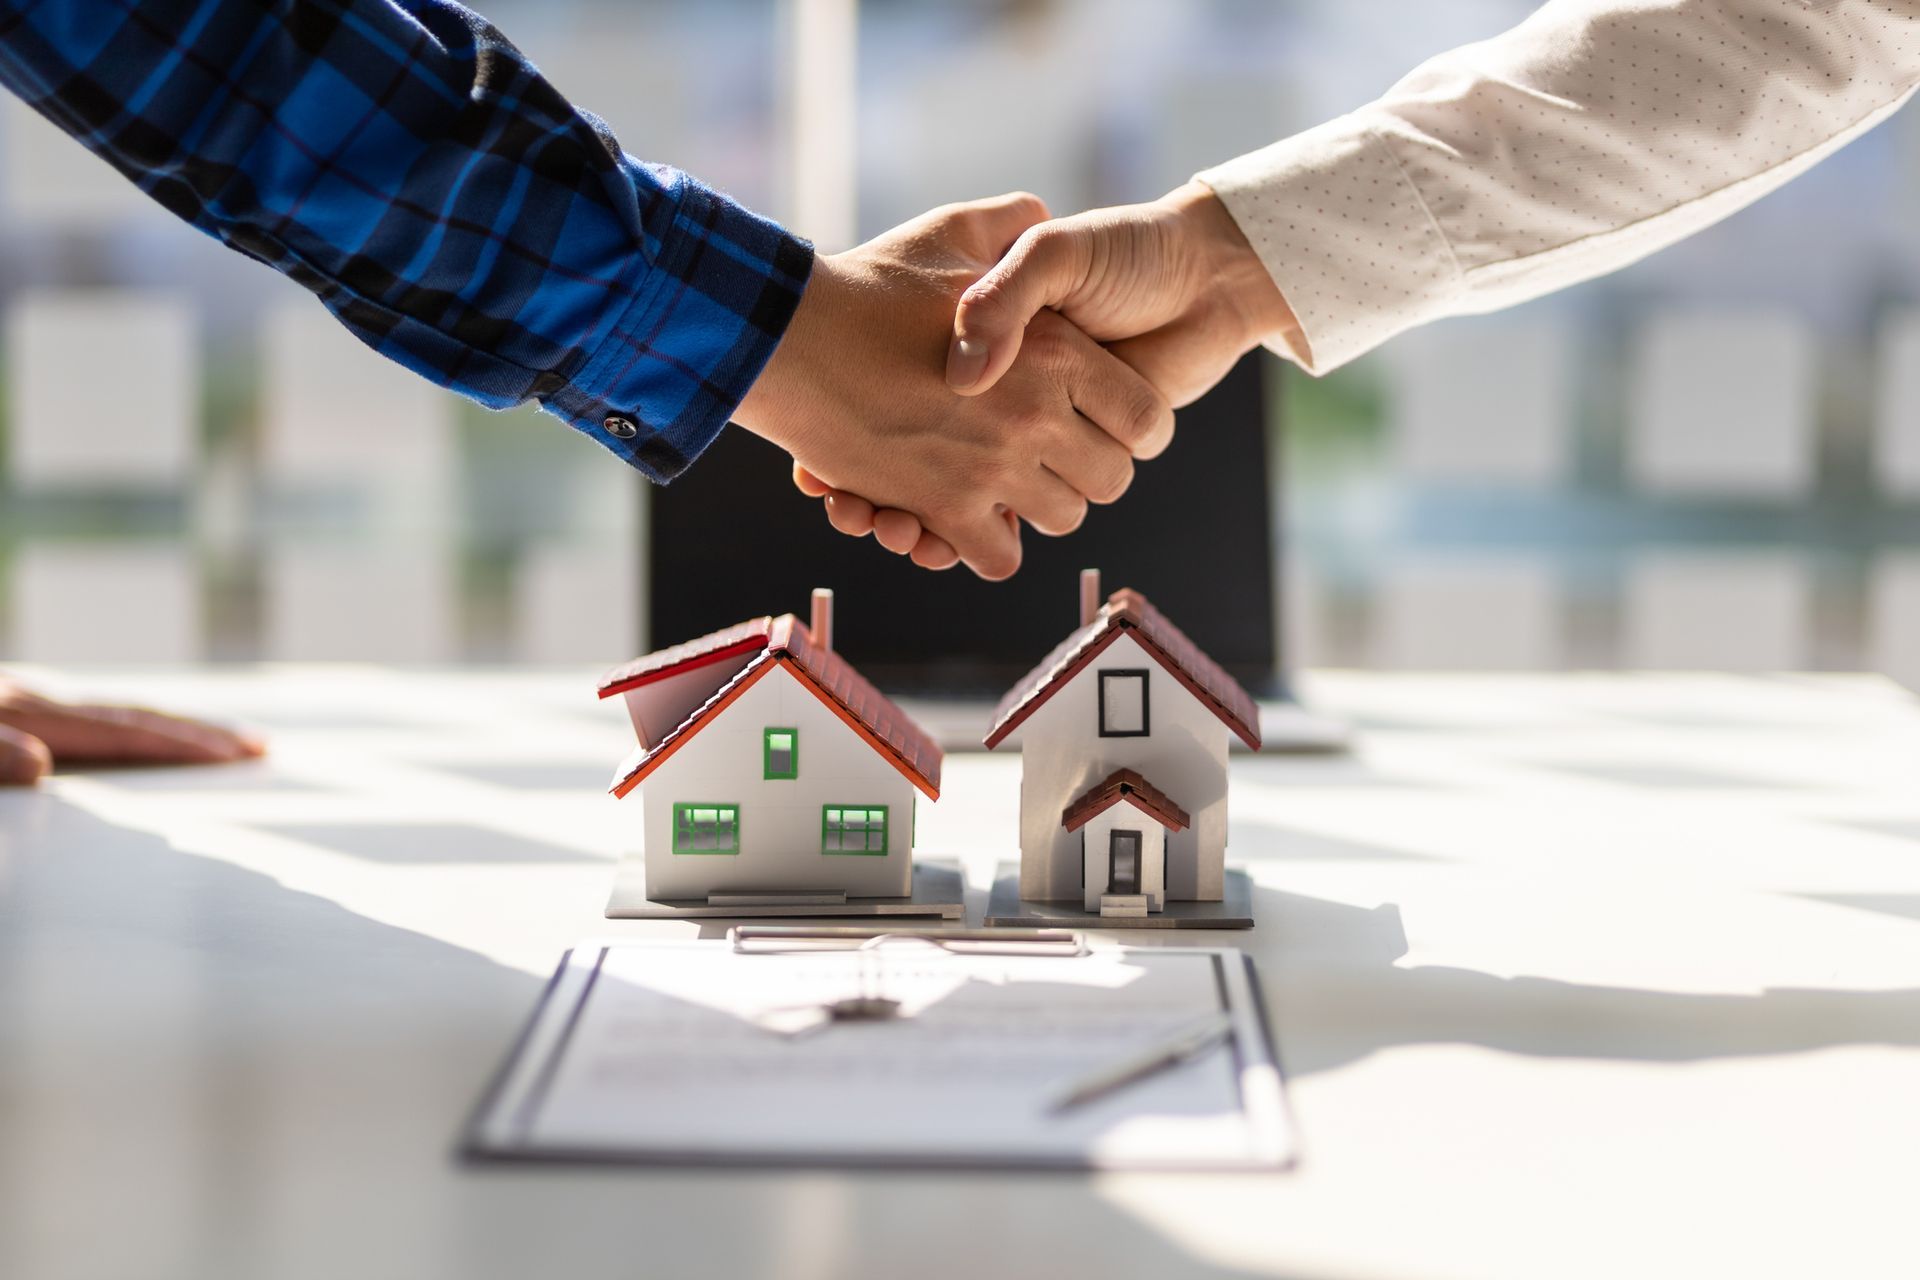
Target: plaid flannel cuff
x=666 y=378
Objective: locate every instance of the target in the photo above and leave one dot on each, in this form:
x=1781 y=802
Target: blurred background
x=1711 y=460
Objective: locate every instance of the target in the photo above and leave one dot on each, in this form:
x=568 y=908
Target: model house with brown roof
x=1123 y=732
x=773 y=778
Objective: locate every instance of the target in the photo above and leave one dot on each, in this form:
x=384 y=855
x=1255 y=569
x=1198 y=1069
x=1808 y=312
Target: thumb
x=1046 y=265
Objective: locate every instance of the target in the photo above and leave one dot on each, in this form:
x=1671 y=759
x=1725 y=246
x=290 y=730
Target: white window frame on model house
x=1146 y=715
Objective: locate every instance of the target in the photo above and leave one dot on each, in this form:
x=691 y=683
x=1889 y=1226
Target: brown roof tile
x=784 y=641
x=1118 y=786
x=1126 y=612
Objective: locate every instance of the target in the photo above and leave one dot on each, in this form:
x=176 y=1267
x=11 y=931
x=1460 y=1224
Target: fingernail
x=966 y=361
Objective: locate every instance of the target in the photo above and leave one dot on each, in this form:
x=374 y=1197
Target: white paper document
x=684 y=1052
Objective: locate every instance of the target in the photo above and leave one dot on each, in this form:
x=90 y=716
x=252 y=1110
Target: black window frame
x=1146 y=702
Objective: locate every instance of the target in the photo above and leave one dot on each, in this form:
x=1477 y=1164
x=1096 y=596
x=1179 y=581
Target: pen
x=1189 y=1043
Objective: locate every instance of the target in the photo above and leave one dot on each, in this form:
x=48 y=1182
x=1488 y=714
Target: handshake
x=982 y=365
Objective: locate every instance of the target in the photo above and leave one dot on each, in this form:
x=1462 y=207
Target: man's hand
x=36 y=733
x=1172 y=287
x=854 y=392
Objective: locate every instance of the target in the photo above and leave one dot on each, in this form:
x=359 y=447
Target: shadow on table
x=1279 y=842
x=589 y=776
x=1339 y=995
x=426 y=842
x=243 y=775
x=206 y=1074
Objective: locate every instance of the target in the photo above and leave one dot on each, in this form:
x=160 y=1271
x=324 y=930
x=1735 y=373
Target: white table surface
x=1572 y=976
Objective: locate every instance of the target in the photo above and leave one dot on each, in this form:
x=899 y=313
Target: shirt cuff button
x=620 y=426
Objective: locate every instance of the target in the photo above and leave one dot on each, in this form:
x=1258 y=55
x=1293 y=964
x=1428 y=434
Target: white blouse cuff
x=1345 y=236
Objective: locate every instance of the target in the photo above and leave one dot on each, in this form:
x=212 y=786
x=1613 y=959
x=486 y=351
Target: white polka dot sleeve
x=1582 y=140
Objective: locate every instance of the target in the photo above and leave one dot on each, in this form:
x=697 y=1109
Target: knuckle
x=1047 y=348
x=1024 y=420
x=1053 y=250
x=1147 y=417
x=896 y=531
x=991 y=475
x=985 y=301
x=1043 y=243
x=1052 y=521
x=997 y=565
x=1027 y=202
x=1115 y=482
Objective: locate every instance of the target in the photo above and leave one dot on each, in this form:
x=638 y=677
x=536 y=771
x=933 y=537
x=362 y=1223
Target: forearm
x=1586 y=138
x=404 y=162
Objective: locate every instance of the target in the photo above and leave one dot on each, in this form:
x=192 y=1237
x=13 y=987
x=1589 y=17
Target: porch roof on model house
x=1127 y=612
x=1124 y=784
x=787 y=642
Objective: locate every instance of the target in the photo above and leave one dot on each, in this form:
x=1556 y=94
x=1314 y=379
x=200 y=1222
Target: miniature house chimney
x=1089 y=595
x=822 y=624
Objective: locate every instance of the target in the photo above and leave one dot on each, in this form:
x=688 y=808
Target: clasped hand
x=1065 y=346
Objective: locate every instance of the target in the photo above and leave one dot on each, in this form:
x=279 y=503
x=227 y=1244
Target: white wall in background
x=1893 y=618
x=1500 y=612
x=341 y=420
x=49 y=177
x=105 y=602
x=577 y=603
x=820 y=75
x=1721 y=611
x=1722 y=402
x=1896 y=459
x=1483 y=402
x=1304 y=641
x=104 y=389
x=360 y=603
x=944 y=133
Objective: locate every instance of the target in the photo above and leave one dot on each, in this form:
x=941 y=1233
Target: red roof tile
x=1128 y=612
x=1120 y=785
x=784 y=641
x=742 y=638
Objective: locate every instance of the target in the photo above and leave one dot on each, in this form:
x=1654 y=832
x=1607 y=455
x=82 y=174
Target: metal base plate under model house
x=939 y=891
x=1005 y=907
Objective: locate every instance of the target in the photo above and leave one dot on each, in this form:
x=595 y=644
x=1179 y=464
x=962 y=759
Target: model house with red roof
x=1123 y=732
x=773 y=778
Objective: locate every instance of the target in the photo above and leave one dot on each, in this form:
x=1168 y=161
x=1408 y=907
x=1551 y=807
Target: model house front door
x=1123 y=862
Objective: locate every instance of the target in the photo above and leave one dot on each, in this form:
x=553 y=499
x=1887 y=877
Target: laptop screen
x=732 y=539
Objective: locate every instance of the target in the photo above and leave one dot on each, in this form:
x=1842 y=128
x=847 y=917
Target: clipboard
x=675 y=1053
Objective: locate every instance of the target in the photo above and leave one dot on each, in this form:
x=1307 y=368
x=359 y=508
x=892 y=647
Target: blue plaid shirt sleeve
x=408 y=165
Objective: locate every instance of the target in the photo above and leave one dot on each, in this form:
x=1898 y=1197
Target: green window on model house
x=706 y=828
x=780 y=752
x=858 y=829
